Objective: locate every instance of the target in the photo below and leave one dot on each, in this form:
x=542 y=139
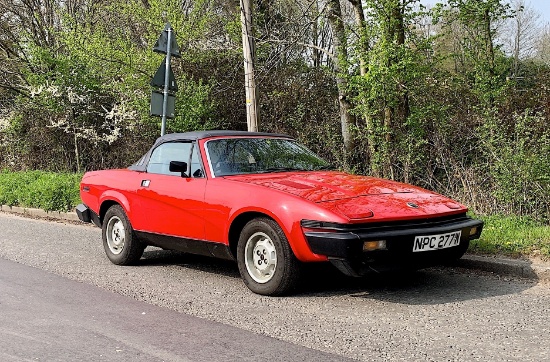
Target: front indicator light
x=374 y=245
x=473 y=231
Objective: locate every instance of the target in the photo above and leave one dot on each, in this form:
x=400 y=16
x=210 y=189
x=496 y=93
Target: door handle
x=145 y=183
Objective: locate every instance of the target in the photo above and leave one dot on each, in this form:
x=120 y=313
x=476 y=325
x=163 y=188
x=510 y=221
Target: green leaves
x=395 y=62
x=89 y=87
x=520 y=163
x=37 y=189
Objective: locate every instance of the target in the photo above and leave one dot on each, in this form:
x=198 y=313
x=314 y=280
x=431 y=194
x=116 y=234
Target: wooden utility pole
x=248 y=52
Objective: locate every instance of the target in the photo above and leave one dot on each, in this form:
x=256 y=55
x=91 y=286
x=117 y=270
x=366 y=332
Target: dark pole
x=166 y=80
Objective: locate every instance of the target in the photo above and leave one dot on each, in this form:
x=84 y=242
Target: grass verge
x=513 y=236
x=38 y=189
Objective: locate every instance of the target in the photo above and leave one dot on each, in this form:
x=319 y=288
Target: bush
x=43 y=190
x=521 y=166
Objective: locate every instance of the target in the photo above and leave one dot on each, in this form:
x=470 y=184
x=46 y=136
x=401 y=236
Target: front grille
x=385 y=226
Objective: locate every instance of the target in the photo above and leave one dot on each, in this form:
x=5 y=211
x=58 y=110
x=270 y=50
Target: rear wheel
x=266 y=261
x=119 y=242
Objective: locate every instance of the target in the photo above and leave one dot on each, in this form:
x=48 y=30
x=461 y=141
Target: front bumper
x=343 y=243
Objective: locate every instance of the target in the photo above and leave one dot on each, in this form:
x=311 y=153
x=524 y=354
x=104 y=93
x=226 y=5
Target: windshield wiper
x=282 y=169
x=327 y=167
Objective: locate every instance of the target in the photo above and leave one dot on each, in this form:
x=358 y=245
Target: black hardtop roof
x=197 y=135
x=193 y=136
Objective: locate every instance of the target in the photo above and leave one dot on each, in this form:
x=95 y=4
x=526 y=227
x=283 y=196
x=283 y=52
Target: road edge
x=495 y=264
x=68 y=216
x=503 y=266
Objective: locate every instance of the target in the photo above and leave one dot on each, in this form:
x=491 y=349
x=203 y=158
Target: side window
x=174 y=151
x=196 y=169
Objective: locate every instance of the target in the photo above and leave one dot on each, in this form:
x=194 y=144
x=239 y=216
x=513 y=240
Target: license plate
x=436 y=242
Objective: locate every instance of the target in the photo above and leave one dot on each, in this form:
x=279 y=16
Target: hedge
x=38 y=189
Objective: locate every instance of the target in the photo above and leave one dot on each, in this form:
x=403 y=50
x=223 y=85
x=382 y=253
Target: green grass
x=513 y=236
x=38 y=189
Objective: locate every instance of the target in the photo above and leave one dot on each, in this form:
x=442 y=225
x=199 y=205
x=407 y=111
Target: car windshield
x=235 y=156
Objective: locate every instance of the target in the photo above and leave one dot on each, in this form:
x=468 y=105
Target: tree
x=478 y=21
x=543 y=46
x=392 y=61
x=80 y=75
x=522 y=33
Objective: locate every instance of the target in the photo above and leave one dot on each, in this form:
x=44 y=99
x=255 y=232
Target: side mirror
x=179 y=166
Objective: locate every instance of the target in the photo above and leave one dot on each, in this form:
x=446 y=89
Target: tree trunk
x=76 y=151
x=315 y=36
x=517 y=46
x=334 y=16
x=368 y=154
x=490 y=53
x=361 y=31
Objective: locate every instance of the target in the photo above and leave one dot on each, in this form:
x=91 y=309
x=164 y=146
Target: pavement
x=496 y=264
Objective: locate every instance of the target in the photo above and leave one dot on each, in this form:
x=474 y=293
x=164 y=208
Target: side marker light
x=374 y=245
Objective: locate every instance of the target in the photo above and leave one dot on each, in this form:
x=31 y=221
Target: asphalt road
x=45 y=317
x=432 y=315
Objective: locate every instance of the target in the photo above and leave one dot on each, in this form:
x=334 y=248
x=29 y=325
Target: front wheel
x=266 y=262
x=119 y=242
x=460 y=250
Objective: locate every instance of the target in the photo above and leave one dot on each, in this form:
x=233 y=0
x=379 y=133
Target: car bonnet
x=358 y=197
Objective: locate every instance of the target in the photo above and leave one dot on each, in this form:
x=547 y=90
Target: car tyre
x=120 y=244
x=266 y=261
x=461 y=250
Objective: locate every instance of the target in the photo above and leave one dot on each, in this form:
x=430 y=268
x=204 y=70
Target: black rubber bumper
x=343 y=243
x=85 y=214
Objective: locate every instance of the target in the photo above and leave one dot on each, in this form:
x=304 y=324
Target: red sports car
x=269 y=203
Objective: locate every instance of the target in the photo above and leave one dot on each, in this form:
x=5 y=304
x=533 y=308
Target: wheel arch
x=291 y=229
x=106 y=205
x=237 y=226
x=110 y=198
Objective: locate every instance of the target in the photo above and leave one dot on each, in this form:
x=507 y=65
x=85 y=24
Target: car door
x=172 y=204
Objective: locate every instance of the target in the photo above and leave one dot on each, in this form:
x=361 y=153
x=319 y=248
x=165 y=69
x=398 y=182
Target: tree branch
x=9 y=87
x=312 y=46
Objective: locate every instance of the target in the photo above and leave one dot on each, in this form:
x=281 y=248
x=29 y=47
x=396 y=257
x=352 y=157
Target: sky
x=540 y=6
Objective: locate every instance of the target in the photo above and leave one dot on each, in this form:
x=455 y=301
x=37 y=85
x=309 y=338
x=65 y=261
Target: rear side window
x=175 y=151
